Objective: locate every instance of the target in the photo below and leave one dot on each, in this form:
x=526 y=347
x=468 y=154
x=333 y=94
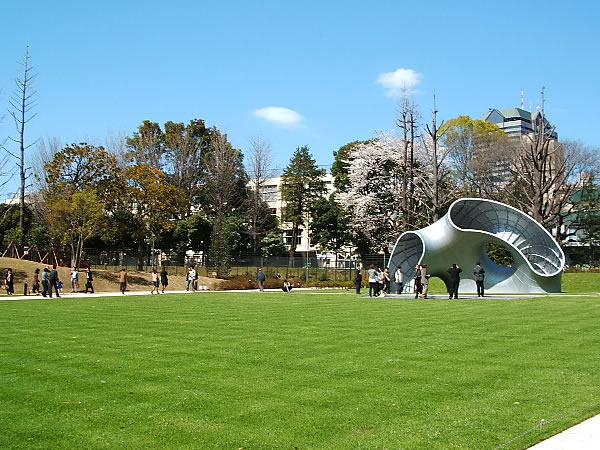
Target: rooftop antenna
x=522 y=99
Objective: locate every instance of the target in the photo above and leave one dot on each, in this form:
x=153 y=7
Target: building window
x=273 y=211
x=269 y=193
x=287 y=237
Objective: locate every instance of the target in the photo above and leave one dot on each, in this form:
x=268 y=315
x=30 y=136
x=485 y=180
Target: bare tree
x=435 y=173
x=408 y=117
x=21 y=106
x=546 y=172
x=259 y=161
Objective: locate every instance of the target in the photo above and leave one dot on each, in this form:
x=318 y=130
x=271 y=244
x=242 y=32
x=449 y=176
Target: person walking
x=53 y=281
x=155 y=281
x=89 y=280
x=260 y=278
x=399 y=279
x=188 y=278
x=454 y=272
x=358 y=281
x=424 y=280
x=9 y=281
x=123 y=281
x=417 y=280
x=35 y=289
x=164 y=278
x=479 y=274
x=372 y=281
x=45 y=281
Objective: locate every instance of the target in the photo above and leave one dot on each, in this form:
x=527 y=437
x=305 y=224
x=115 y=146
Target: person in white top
x=399 y=279
x=155 y=281
x=194 y=278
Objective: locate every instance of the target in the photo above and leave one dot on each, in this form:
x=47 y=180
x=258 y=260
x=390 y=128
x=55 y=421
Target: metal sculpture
x=461 y=237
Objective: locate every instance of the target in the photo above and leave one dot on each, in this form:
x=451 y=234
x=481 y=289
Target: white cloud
x=279 y=115
x=399 y=82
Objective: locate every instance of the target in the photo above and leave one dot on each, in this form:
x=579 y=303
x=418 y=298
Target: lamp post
x=307 y=243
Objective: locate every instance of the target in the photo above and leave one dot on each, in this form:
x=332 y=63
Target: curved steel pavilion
x=461 y=237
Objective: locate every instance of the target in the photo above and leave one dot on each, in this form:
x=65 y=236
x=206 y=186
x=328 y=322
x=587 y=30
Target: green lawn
x=306 y=370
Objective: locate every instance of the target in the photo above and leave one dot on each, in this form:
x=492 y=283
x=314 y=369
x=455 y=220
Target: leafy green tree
x=301 y=185
x=153 y=204
x=272 y=244
x=192 y=232
x=147 y=146
x=341 y=165
x=74 y=219
x=81 y=166
x=330 y=227
x=185 y=149
x=480 y=153
x=224 y=193
x=587 y=216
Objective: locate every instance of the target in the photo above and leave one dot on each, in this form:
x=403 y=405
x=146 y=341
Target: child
x=59 y=286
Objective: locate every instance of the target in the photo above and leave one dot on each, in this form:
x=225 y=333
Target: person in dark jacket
x=358 y=281
x=9 y=281
x=454 y=272
x=53 y=281
x=164 y=278
x=479 y=274
x=418 y=285
x=260 y=278
x=89 y=280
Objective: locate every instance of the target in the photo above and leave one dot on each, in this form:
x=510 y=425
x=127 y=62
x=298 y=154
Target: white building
x=271 y=194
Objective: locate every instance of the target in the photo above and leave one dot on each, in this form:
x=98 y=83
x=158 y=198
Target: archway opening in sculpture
x=499 y=254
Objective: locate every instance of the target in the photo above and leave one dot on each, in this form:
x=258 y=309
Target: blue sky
x=104 y=67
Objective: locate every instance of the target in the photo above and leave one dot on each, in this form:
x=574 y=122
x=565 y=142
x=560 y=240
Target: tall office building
x=517 y=122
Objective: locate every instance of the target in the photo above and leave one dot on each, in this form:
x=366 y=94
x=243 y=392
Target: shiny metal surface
x=461 y=237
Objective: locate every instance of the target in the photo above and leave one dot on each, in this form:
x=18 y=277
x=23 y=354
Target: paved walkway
x=584 y=436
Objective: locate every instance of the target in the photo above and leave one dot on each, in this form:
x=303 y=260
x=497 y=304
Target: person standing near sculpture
x=399 y=279
x=372 y=280
x=260 y=278
x=387 y=280
x=418 y=286
x=424 y=280
x=454 y=272
x=479 y=274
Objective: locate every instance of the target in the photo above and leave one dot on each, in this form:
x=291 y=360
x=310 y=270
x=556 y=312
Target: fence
x=303 y=266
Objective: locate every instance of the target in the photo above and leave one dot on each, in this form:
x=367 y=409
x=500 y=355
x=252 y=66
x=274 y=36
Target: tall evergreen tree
x=301 y=185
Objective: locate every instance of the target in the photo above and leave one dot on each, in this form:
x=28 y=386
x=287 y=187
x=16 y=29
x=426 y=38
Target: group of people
x=160 y=280
x=192 y=279
x=380 y=280
x=50 y=282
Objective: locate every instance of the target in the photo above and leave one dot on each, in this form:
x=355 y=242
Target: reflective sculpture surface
x=461 y=237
